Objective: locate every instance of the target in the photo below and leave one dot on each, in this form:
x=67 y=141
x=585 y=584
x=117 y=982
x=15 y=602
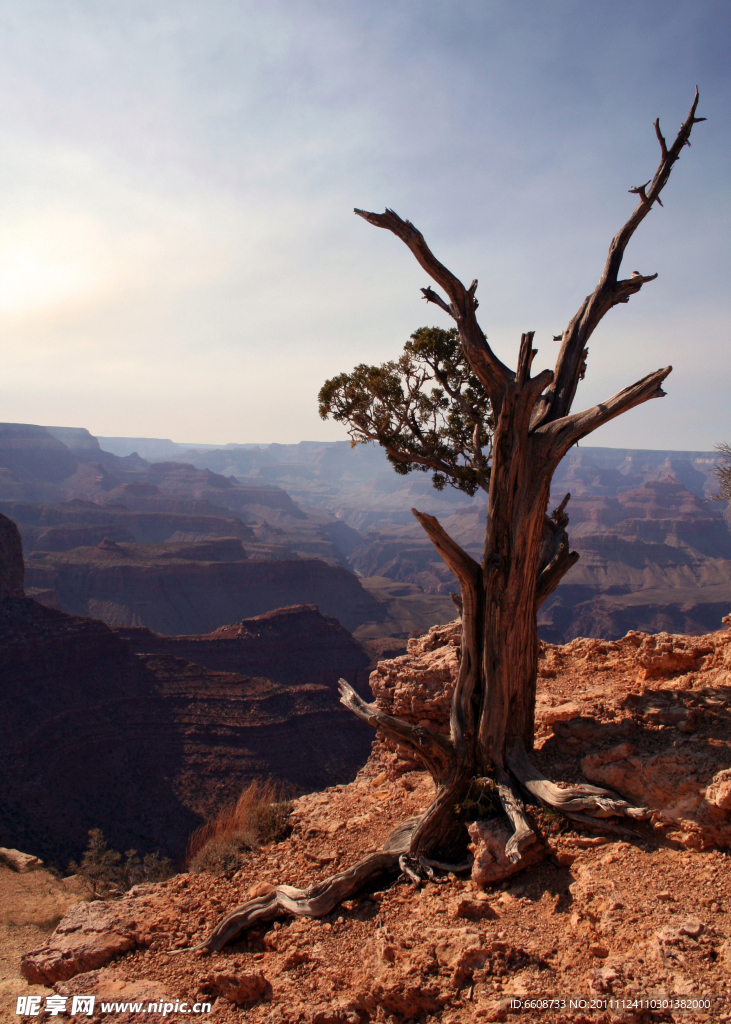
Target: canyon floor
x=603 y=915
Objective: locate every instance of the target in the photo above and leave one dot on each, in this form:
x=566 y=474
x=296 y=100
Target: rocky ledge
x=596 y=915
x=647 y=715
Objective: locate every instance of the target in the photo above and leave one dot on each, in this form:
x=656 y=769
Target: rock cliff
x=147 y=745
x=165 y=589
x=290 y=646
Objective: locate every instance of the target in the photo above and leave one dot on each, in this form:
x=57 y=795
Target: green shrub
x=106 y=874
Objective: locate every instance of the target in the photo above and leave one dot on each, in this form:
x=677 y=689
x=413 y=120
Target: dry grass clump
x=259 y=816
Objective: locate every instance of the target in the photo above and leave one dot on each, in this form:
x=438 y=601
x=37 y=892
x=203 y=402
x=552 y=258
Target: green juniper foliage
x=427 y=409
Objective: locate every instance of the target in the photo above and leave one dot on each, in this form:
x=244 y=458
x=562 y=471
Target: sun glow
x=51 y=264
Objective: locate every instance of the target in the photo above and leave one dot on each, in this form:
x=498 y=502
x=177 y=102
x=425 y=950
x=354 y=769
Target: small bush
x=106 y=874
x=259 y=816
x=723 y=473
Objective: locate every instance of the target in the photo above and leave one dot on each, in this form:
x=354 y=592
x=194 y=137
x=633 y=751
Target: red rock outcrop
x=647 y=715
x=600 y=916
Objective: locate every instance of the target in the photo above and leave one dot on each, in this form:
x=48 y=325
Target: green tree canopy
x=428 y=410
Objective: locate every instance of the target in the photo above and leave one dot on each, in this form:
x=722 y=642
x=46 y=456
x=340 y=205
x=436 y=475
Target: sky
x=178 y=253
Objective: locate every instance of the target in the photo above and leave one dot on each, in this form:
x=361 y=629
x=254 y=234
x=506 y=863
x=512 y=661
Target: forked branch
x=462 y=305
x=610 y=291
x=316 y=901
x=562 y=434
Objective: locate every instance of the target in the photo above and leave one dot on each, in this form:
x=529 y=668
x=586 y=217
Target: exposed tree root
x=591 y=800
x=523 y=835
x=318 y=900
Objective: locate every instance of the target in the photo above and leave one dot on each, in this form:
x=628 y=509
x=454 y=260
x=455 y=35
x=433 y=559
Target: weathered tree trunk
x=526 y=555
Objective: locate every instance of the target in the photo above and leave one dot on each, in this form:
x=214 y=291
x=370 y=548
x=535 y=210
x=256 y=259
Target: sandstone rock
x=418 y=686
x=260 y=889
x=475 y=908
x=659 y=781
x=489 y=839
x=88 y=937
x=598 y=949
x=495 y=1010
x=332 y=1015
x=719 y=791
x=242 y=989
x=18 y=861
x=691 y=926
x=561 y=713
x=112 y=983
x=603 y=979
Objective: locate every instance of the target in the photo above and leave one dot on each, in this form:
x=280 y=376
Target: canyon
x=122 y=731
x=655 y=552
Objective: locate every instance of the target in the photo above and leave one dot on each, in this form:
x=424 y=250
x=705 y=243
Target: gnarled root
x=523 y=835
x=318 y=900
x=588 y=801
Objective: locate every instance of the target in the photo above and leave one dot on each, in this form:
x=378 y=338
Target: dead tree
x=525 y=556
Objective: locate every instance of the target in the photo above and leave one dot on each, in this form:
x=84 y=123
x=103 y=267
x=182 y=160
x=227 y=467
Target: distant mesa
x=184 y=588
x=107 y=544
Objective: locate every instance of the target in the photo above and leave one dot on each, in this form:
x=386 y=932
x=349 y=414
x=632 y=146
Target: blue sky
x=178 y=252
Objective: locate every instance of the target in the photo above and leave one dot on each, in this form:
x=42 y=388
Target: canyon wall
x=163 y=588
x=146 y=745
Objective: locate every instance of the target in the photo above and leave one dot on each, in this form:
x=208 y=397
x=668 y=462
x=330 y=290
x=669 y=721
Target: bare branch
x=317 y=900
x=431 y=296
x=463 y=304
x=563 y=433
x=610 y=291
x=462 y=565
x=434 y=749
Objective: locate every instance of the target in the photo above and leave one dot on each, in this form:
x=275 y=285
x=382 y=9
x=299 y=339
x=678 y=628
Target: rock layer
x=181 y=589
x=146 y=746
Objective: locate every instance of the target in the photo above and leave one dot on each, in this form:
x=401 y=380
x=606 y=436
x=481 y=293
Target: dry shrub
x=259 y=816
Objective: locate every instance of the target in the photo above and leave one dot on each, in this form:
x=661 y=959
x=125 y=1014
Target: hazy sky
x=178 y=252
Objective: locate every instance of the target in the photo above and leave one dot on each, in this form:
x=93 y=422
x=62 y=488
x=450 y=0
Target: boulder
x=20 y=862
x=88 y=937
x=112 y=983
